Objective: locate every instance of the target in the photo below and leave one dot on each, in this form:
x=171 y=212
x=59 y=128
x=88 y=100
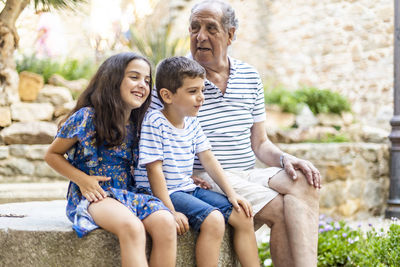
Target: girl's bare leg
x=114 y=217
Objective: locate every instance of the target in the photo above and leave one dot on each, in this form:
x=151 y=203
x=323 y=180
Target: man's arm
x=270 y=154
x=159 y=189
x=215 y=171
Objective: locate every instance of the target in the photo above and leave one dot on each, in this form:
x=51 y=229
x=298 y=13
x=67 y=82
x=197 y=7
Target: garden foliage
x=340 y=245
x=70 y=69
x=318 y=100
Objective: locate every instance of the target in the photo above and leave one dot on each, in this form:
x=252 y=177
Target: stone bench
x=39 y=234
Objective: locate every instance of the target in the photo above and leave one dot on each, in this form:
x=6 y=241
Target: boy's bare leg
x=163 y=251
x=209 y=240
x=114 y=217
x=244 y=239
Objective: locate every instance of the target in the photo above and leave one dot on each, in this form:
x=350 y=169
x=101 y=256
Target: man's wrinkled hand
x=311 y=173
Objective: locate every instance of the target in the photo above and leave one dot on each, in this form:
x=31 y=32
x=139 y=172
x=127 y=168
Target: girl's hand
x=91 y=189
x=182 y=223
x=237 y=201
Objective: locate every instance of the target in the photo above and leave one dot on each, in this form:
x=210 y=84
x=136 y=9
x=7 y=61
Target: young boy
x=170 y=140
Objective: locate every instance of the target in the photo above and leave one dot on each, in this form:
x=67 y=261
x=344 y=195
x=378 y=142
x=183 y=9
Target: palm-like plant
x=9 y=42
x=158 y=44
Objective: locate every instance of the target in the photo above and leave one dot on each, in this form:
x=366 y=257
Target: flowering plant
x=341 y=245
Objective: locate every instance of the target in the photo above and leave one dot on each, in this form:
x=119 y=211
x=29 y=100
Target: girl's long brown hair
x=103 y=94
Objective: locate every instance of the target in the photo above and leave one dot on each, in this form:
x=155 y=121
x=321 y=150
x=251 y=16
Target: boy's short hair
x=171 y=72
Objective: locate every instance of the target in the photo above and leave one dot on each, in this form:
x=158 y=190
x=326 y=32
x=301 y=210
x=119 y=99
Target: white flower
x=268 y=262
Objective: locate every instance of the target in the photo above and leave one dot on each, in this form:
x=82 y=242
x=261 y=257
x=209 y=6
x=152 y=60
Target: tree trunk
x=8 y=43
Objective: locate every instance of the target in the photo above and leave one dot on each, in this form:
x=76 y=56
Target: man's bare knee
x=271 y=213
x=302 y=189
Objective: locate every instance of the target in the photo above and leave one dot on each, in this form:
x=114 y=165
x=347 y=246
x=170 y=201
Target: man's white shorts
x=251 y=184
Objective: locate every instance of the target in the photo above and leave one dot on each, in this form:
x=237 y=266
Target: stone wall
x=355 y=176
x=343 y=45
x=24 y=163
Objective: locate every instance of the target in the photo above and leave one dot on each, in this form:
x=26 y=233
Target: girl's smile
x=135 y=85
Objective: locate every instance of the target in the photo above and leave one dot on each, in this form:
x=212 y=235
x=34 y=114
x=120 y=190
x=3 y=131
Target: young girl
x=100 y=139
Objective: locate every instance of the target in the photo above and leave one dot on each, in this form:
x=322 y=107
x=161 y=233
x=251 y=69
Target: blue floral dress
x=114 y=162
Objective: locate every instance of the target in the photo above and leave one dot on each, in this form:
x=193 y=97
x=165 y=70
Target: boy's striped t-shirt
x=176 y=148
x=226 y=119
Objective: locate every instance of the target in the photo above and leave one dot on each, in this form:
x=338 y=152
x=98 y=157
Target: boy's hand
x=182 y=223
x=237 y=201
x=200 y=182
x=91 y=189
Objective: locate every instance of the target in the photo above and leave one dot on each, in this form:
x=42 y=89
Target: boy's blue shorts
x=198 y=204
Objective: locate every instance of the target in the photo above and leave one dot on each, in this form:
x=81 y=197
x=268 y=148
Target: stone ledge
x=25 y=192
x=44 y=237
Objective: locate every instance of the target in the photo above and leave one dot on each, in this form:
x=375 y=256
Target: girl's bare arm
x=89 y=185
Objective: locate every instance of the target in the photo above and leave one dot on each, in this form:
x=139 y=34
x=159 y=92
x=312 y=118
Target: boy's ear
x=166 y=95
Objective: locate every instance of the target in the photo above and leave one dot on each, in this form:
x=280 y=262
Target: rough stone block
x=44 y=237
x=17 y=166
x=75 y=86
x=27 y=191
x=26 y=112
x=278 y=119
x=4 y=152
x=334 y=172
x=64 y=109
x=35 y=132
x=349 y=208
x=42 y=169
x=56 y=95
x=29 y=85
x=28 y=151
x=5 y=116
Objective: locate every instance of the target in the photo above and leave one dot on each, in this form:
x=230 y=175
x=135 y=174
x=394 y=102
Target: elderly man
x=233 y=118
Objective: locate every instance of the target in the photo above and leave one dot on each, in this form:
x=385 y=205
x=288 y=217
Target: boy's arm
x=215 y=171
x=89 y=187
x=159 y=189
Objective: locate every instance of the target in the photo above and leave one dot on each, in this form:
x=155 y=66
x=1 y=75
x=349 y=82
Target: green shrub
x=340 y=245
x=285 y=99
x=70 y=69
x=264 y=254
x=319 y=101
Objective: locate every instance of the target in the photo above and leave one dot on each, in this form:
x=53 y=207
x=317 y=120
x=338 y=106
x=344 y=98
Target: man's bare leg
x=301 y=208
x=272 y=214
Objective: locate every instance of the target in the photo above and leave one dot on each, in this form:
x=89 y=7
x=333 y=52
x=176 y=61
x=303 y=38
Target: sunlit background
x=90 y=29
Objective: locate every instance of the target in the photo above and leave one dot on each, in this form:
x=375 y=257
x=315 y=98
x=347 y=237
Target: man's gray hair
x=228 y=19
